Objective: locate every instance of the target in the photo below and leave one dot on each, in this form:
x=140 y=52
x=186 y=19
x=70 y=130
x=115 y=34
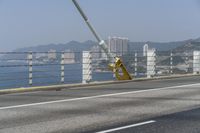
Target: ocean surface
x=12 y=77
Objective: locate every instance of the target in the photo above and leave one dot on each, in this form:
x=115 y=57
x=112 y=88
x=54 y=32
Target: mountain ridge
x=87 y=45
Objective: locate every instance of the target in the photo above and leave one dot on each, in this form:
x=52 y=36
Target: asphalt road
x=182 y=122
x=136 y=107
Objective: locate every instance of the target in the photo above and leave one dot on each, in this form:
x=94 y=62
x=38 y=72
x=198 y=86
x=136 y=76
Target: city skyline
x=31 y=23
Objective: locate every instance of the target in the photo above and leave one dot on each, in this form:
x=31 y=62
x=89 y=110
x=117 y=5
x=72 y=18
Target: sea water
x=12 y=77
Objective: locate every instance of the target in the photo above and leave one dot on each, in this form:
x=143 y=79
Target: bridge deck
x=94 y=109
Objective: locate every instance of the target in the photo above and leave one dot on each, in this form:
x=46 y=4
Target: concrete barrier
x=67 y=86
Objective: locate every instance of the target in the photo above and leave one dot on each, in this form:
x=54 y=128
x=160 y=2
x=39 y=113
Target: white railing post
x=87 y=67
x=30 y=64
x=171 y=63
x=186 y=62
x=196 y=62
x=136 y=64
x=62 y=64
x=151 y=63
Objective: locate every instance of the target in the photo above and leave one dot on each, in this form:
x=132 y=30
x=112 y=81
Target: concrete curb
x=67 y=86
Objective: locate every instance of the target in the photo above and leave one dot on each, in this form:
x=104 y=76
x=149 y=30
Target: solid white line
x=125 y=127
x=93 y=97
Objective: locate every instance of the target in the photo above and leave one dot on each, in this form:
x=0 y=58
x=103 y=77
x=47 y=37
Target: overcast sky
x=26 y=23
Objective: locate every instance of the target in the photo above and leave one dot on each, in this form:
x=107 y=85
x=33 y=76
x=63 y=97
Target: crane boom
x=101 y=42
x=118 y=65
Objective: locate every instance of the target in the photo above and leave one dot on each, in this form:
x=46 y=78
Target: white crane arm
x=101 y=42
x=118 y=65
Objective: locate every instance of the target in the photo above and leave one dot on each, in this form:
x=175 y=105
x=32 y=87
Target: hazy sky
x=34 y=22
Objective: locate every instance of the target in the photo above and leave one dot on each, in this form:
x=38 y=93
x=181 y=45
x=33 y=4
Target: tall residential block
x=69 y=57
x=145 y=49
x=52 y=54
x=118 y=45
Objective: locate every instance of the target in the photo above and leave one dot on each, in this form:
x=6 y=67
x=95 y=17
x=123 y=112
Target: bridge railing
x=25 y=69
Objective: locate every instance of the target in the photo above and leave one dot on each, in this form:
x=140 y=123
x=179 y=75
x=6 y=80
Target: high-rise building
x=118 y=45
x=69 y=57
x=96 y=52
x=145 y=49
x=52 y=54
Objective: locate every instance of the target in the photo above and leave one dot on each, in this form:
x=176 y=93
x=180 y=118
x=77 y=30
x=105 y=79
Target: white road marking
x=125 y=127
x=93 y=97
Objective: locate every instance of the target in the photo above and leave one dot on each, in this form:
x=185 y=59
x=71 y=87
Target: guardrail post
x=30 y=64
x=171 y=63
x=196 y=62
x=87 y=67
x=62 y=63
x=151 y=63
x=136 y=64
x=186 y=62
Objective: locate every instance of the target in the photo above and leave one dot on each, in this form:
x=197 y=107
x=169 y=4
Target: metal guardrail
x=24 y=69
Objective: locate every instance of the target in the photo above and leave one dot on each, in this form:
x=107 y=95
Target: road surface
x=136 y=107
